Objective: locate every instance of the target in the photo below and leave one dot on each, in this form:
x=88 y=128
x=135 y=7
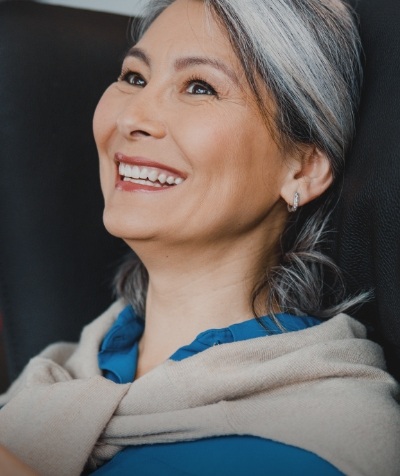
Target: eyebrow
x=186 y=62
x=183 y=63
x=139 y=54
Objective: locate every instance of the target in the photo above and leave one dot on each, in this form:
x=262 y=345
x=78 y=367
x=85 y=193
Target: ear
x=309 y=175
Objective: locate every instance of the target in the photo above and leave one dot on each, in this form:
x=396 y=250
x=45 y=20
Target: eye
x=200 y=87
x=132 y=78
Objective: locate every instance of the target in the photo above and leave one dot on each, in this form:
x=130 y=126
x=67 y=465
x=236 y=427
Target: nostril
x=139 y=133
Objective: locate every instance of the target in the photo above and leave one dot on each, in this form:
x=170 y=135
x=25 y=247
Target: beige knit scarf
x=322 y=389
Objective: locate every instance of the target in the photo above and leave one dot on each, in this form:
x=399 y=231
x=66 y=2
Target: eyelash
x=203 y=83
x=125 y=75
x=192 y=80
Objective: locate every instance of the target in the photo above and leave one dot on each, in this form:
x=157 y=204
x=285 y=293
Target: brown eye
x=132 y=78
x=201 y=88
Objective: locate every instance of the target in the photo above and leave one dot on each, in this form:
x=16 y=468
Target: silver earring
x=296 y=202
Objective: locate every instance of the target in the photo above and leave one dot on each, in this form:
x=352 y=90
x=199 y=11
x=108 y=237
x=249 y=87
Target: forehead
x=188 y=27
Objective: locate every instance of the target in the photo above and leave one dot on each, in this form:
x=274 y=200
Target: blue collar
x=119 y=350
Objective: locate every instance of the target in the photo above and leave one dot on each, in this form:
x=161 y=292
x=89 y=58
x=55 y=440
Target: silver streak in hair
x=307 y=55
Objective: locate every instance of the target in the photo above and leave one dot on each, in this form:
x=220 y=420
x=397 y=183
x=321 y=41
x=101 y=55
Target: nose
x=140 y=116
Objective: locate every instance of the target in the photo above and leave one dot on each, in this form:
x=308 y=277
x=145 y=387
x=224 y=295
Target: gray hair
x=307 y=54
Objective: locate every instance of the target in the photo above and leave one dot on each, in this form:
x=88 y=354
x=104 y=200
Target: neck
x=190 y=292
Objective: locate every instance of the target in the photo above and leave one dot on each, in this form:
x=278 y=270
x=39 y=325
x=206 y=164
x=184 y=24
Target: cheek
x=232 y=161
x=231 y=151
x=103 y=127
x=206 y=141
x=103 y=119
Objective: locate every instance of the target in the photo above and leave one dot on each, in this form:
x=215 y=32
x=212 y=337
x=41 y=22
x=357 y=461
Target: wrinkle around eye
x=125 y=88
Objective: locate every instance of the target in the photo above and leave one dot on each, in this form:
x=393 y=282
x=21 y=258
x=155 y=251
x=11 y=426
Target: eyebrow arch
x=183 y=63
x=139 y=54
x=187 y=62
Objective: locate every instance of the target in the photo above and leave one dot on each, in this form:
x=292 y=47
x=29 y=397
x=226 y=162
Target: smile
x=150 y=176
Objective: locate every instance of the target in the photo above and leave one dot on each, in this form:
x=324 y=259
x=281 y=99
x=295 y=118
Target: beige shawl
x=322 y=389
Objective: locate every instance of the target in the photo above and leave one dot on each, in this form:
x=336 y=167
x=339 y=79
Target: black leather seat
x=57 y=262
x=367 y=218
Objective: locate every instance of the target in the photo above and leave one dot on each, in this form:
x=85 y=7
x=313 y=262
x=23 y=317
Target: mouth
x=145 y=174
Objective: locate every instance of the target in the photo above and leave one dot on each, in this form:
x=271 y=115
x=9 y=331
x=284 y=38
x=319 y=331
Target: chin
x=128 y=227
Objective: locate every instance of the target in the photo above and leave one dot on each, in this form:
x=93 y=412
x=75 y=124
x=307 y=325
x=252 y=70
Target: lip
x=143 y=162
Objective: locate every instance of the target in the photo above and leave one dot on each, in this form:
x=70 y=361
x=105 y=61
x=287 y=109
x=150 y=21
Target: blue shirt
x=227 y=455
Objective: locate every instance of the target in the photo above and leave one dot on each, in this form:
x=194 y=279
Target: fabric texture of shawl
x=323 y=389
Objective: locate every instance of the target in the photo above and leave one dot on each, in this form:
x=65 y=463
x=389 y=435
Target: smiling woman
x=218 y=145
x=238 y=118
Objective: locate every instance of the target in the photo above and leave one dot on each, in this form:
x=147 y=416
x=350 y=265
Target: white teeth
x=147 y=175
x=128 y=171
x=143 y=173
x=135 y=172
x=142 y=182
x=153 y=175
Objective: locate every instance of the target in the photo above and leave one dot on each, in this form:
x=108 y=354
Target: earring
x=296 y=202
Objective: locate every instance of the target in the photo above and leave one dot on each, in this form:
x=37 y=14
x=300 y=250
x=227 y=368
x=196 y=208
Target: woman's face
x=184 y=153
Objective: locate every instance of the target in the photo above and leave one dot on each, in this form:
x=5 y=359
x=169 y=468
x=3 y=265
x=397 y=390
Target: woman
x=228 y=117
